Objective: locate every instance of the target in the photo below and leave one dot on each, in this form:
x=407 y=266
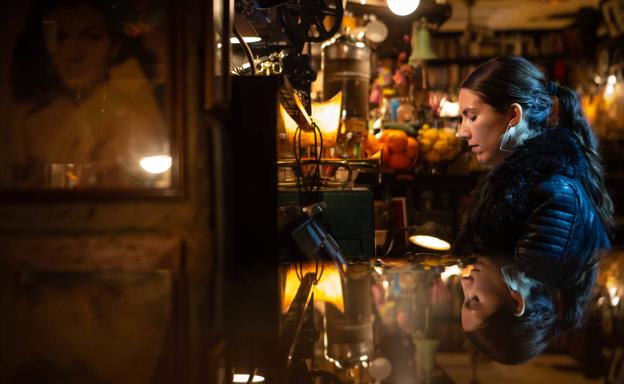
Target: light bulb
x=403 y=7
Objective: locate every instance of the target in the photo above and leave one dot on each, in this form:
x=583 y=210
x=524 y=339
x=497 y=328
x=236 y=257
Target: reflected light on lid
x=156 y=164
x=242 y=378
x=430 y=242
x=246 y=39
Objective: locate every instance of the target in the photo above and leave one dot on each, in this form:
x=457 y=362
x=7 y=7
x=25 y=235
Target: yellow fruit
x=453 y=140
x=431 y=134
x=425 y=144
x=432 y=157
x=440 y=147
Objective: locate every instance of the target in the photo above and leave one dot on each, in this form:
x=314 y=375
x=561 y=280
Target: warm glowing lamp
x=403 y=7
x=326 y=115
x=430 y=236
x=328 y=289
x=290 y=126
x=430 y=242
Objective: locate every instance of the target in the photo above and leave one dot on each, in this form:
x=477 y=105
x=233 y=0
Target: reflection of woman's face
x=485 y=291
x=79 y=45
x=482 y=127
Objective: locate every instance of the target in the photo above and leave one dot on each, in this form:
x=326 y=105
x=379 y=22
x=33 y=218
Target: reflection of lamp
x=349 y=334
x=245 y=29
x=327 y=289
x=156 y=164
x=403 y=7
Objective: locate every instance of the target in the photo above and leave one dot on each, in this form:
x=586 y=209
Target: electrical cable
x=247 y=50
x=308 y=182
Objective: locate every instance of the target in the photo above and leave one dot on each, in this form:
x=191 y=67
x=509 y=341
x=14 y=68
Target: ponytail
x=571 y=117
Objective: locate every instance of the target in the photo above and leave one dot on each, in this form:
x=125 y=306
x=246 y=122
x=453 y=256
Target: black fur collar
x=501 y=201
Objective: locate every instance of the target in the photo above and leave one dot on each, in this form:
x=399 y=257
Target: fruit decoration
x=438 y=145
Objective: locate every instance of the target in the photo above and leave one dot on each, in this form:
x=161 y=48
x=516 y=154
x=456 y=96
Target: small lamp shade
x=246 y=30
x=325 y=114
x=421 y=43
x=430 y=235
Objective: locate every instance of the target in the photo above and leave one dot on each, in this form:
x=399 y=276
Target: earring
x=507 y=139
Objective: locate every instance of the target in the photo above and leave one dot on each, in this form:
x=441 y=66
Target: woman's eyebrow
x=468 y=110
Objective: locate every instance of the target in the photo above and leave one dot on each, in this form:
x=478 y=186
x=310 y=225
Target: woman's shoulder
x=560 y=187
x=566 y=199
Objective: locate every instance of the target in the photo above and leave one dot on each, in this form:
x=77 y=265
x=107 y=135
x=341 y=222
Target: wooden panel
x=90 y=309
x=86 y=253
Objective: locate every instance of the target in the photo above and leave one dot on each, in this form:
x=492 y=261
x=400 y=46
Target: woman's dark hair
x=502 y=81
x=508 y=339
x=33 y=78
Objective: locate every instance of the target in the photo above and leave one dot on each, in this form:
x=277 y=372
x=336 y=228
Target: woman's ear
x=515 y=110
x=519 y=304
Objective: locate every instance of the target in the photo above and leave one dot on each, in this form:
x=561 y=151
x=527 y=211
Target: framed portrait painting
x=92 y=104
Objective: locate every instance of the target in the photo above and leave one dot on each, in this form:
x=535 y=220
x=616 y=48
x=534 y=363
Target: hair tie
x=553 y=88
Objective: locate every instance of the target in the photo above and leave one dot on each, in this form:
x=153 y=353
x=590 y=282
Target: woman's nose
x=462 y=132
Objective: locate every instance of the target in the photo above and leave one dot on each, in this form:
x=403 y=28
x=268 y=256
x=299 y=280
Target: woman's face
x=79 y=45
x=482 y=127
x=485 y=291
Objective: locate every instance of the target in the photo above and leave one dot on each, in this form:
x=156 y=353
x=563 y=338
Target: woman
x=82 y=98
x=538 y=217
